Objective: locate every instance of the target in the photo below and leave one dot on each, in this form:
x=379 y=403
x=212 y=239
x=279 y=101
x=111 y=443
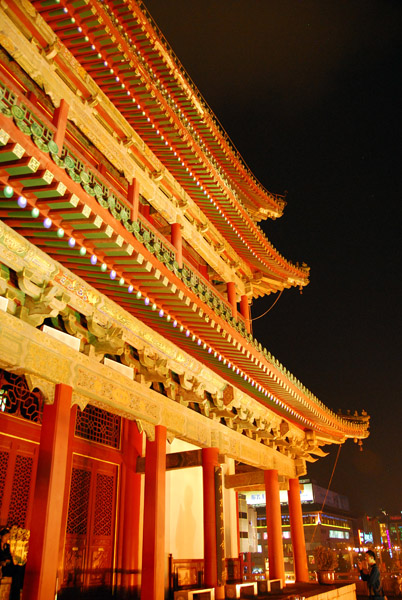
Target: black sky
x=310 y=93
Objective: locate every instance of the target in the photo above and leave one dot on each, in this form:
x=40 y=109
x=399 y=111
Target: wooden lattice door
x=18 y=461
x=88 y=558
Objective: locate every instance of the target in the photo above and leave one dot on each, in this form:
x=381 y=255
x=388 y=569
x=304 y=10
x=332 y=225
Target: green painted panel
x=72 y=216
x=10 y=204
x=99 y=235
x=19 y=169
x=60 y=205
x=35 y=182
x=46 y=193
x=85 y=225
x=103 y=245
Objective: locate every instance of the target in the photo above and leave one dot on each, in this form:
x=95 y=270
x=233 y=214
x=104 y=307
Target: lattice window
x=17 y=512
x=17 y=399
x=98 y=425
x=104 y=505
x=4 y=456
x=79 y=501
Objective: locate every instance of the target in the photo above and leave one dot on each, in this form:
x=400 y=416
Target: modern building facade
x=135 y=399
x=327 y=521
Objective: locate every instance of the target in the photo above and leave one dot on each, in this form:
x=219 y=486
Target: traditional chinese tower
x=135 y=399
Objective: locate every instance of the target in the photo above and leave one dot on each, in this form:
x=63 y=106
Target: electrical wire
x=326 y=494
x=270 y=308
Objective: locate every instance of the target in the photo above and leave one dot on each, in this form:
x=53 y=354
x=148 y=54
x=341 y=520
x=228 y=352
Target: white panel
x=3 y=303
x=123 y=369
x=184 y=508
x=67 y=339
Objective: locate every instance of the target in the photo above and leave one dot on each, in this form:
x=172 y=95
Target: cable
x=270 y=308
x=329 y=485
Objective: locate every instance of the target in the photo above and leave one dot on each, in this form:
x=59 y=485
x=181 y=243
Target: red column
x=209 y=462
x=177 y=242
x=245 y=311
x=41 y=570
x=231 y=289
x=238 y=523
x=133 y=197
x=69 y=465
x=274 y=525
x=297 y=531
x=60 y=121
x=153 y=547
x=131 y=488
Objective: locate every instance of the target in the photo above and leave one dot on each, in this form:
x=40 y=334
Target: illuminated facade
x=332 y=526
x=135 y=397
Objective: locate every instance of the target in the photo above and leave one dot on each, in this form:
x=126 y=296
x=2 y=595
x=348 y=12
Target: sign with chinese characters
x=258 y=497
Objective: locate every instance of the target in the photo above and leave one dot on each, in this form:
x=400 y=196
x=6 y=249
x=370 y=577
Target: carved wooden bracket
x=47 y=388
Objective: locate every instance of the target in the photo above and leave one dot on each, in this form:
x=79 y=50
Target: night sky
x=310 y=94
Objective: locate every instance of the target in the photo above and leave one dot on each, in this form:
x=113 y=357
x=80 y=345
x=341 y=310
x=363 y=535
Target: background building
x=332 y=525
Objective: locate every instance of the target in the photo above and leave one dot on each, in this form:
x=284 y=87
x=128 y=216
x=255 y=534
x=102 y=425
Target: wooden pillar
x=297 y=531
x=231 y=289
x=209 y=462
x=131 y=507
x=153 y=547
x=245 y=312
x=69 y=466
x=60 y=121
x=41 y=570
x=274 y=525
x=177 y=242
x=133 y=198
x=238 y=523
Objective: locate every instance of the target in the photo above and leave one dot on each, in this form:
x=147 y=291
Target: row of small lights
x=79 y=29
x=179 y=159
x=22 y=202
x=214 y=121
x=47 y=224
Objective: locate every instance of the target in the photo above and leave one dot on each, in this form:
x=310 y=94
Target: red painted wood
x=133 y=197
x=274 y=525
x=297 y=531
x=153 y=549
x=60 y=121
x=130 y=506
x=245 y=312
x=177 y=242
x=69 y=464
x=231 y=287
x=40 y=578
x=237 y=523
x=209 y=462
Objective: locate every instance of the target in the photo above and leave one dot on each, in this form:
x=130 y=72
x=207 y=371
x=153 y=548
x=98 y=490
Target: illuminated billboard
x=257 y=498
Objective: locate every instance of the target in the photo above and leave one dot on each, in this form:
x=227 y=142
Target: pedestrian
x=372 y=576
